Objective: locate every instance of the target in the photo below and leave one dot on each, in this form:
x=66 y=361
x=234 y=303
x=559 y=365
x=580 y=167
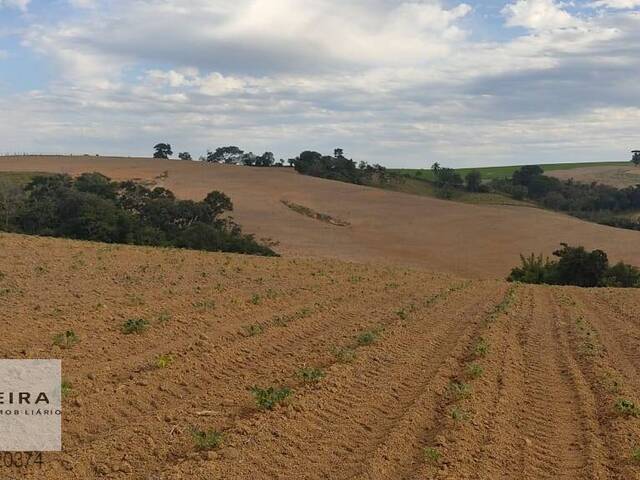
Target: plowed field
x=456 y=379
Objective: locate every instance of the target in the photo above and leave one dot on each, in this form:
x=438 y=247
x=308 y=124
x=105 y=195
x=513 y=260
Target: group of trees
x=448 y=179
x=92 y=207
x=575 y=266
x=230 y=155
x=336 y=167
x=592 y=201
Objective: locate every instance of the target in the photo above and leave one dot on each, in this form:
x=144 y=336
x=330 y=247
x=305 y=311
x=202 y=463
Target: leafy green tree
x=184 y=156
x=226 y=155
x=267 y=159
x=524 y=175
x=635 y=159
x=162 y=150
x=473 y=181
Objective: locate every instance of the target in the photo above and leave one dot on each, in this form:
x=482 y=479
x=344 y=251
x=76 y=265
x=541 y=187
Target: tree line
x=93 y=207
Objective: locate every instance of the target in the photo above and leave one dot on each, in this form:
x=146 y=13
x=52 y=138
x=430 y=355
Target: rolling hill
x=385 y=227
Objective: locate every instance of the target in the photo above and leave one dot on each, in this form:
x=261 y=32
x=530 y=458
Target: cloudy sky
x=402 y=83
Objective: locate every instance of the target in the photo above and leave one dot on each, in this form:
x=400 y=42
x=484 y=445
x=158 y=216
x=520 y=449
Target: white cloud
x=538 y=15
x=19 y=4
x=617 y=4
x=391 y=81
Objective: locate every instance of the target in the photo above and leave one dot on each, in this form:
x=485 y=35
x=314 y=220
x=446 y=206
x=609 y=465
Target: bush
x=575 y=266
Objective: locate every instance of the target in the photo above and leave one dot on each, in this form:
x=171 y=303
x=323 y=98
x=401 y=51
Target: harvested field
x=385 y=227
x=616 y=176
x=452 y=379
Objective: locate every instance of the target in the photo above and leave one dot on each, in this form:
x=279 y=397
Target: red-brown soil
x=385 y=227
x=467 y=379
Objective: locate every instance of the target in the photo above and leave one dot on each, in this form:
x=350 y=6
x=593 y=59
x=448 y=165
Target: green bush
x=575 y=266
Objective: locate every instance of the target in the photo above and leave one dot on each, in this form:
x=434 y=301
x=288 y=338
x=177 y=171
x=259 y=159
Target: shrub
x=268 y=398
x=134 y=325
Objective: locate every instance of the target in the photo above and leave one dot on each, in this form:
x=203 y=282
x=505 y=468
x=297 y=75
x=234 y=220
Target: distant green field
x=490 y=173
x=18 y=178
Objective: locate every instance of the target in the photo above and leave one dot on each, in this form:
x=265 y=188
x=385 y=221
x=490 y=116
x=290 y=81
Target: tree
x=185 y=156
x=228 y=155
x=162 y=150
x=338 y=152
x=524 y=175
x=473 y=181
x=11 y=199
x=635 y=159
x=267 y=159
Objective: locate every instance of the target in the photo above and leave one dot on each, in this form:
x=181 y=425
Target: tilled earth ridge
x=464 y=379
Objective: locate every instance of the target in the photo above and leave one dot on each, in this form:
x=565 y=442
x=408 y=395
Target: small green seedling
x=66 y=340
x=253 y=329
x=207 y=440
x=432 y=455
x=635 y=455
x=164 y=317
x=345 y=354
x=268 y=398
x=627 y=408
x=134 y=325
x=310 y=375
x=458 y=414
x=366 y=338
x=163 y=361
x=474 y=370
x=65 y=388
x=459 y=389
x=481 y=348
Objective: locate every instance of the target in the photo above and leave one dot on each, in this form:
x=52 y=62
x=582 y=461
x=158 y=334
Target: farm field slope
x=384 y=227
x=617 y=176
x=457 y=379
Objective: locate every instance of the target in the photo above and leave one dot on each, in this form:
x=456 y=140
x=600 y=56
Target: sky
x=400 y=83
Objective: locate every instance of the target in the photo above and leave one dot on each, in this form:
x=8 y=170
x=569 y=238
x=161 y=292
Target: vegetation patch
x=575 y=266
x=310 y=374
x=431 y=455
x=323 y=217
x=627 y=408
x=134 y=325
x=268 y=398
x=66 y=340
x=164 y=361
x=92 y=207
x=345 y=354
x=207 y=439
